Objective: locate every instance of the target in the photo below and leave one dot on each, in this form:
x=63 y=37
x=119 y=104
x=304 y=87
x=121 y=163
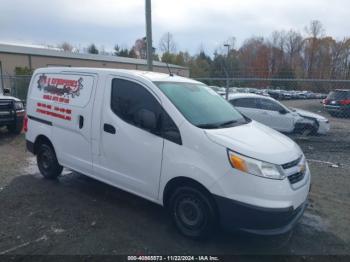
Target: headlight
x=19 y=106
x=255 y=167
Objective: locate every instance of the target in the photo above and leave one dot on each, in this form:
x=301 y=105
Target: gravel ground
x=78 y=215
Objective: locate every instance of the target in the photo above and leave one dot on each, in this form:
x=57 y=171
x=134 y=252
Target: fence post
x=227 y=87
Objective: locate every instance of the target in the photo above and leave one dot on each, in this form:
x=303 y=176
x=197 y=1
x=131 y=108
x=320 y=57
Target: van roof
x=151 y=76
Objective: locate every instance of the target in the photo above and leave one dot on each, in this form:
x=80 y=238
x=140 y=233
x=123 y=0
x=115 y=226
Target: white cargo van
x=171 y=140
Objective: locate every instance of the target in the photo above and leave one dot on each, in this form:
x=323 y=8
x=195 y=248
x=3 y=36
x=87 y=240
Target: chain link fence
x=16 y=85
x=313 y=85
x=313 y=112
x=333 y=94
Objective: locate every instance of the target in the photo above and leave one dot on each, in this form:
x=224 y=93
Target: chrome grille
x=6 y=105
x=295 y=178
x=292 y=163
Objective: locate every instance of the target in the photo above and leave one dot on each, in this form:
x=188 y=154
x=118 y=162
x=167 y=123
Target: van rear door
x=64 y=100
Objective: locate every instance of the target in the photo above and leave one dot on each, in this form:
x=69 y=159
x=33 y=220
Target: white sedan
x=272 y=113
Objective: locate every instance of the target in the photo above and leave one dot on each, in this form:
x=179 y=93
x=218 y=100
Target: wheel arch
x=175 y=182
x=40 y=139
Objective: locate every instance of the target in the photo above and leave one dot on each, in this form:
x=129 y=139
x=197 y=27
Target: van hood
x=257 y=141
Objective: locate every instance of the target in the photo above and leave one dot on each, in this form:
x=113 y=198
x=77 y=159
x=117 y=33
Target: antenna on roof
x=170 y=73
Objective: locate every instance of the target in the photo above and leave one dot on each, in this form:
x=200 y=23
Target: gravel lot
x=78 y=215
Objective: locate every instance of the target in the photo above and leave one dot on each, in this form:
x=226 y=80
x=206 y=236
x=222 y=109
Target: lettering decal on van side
x=54 y=111
x=60 y=87
x=56 y=98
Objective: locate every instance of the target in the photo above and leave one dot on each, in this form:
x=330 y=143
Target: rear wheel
x=193 y=212
x=334 y=114
x=47 y=162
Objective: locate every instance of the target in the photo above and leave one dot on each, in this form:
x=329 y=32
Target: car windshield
x=201 y=106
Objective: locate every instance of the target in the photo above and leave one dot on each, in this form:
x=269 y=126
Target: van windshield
x=201 y=106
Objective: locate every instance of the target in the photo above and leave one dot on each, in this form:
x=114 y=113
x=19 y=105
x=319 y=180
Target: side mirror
x=6 y=91
x=147 y=119
x=283 y=111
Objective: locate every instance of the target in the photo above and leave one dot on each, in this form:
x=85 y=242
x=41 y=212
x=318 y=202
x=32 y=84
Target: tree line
x=285 y=54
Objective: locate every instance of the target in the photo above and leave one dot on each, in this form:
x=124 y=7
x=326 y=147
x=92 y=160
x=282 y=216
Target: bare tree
x=67 y=47
x=140 y=48
x=315 y=30
x=293 y=46
x=167 y=43
x=276 y=45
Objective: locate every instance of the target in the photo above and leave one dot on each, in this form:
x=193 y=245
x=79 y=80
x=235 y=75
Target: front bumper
x=7 y=117
x=338 y=109
x=257 y=220
x=260 y=205
x=11 y=117
x=323 y=127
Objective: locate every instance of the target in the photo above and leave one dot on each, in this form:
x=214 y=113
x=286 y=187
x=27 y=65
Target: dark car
x=337 y=102
x=11 y=112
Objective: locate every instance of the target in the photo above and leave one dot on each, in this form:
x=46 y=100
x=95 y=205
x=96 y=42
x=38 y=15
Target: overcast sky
x=192 y=22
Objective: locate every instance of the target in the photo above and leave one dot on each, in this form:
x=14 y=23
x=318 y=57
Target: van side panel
x=65 y=101
x=192 y=161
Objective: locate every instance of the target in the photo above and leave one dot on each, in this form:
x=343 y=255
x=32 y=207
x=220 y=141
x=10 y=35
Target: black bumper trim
x=235 y=215
x=30 y=146
x=13 y=120
x=40 y=120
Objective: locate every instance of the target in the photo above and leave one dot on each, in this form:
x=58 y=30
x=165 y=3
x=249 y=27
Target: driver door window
x=129 y=100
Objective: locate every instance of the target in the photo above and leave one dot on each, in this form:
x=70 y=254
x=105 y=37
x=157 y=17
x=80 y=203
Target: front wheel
x=47 y=162
x=193 y=212
x=309 y=131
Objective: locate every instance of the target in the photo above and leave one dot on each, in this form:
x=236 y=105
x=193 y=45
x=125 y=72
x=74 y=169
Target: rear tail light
x=325 y=101
x=344 y=102
x=25 y=124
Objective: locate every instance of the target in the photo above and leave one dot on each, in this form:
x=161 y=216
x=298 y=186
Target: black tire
x=15 y=128
x=334 y=114
x=193 y=212
x=47 y=162
x=310 y=130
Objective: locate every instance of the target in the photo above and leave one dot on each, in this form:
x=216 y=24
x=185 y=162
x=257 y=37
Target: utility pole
x=168 y=43
x=149 y=35
x=226 y=71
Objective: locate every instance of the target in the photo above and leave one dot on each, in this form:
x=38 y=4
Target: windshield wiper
x=208 y=126
x=227 y=123
x=213 y=126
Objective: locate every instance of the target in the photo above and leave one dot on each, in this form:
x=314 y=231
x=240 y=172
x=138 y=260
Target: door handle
x=109 y=128
x=81 y=122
